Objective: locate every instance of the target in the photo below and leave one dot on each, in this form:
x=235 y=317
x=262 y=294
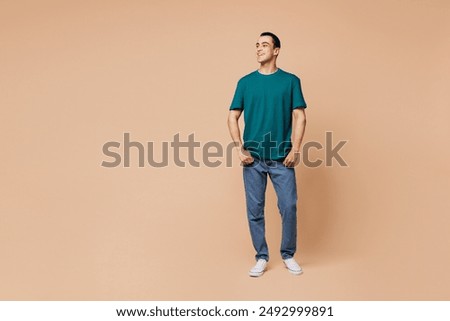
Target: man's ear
x=276 y=51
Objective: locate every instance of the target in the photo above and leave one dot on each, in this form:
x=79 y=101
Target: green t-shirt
x=267 y=102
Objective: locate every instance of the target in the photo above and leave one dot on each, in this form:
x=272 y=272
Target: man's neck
x=268 y=68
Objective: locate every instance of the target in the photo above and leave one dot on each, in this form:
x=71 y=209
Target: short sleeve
x=298 y=101
x=238 y=99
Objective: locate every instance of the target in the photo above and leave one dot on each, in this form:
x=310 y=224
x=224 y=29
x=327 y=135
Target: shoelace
x=260 y=264
x=292 y=264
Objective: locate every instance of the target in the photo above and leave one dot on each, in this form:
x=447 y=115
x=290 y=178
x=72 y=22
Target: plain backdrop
x=75 y=75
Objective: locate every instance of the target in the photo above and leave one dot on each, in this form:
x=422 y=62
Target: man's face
x=264 y=49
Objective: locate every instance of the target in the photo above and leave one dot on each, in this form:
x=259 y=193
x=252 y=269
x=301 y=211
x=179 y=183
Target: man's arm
x=233 y=127
x=298 y=130
x=298 y=125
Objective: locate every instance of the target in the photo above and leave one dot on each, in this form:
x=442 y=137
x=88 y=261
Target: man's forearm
x=298 y=132
x=235 y=132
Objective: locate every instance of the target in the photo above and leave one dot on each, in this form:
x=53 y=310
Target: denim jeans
x=284 y=183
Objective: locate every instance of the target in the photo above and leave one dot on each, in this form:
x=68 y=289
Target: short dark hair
x=276 y=40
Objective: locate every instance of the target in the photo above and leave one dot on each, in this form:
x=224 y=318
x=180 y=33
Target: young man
x=273 y=106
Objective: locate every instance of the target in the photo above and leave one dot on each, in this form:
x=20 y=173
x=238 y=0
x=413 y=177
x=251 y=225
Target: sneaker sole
x=255 y=274
x=295 y=272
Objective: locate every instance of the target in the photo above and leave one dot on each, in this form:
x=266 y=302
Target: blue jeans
x=284 y=183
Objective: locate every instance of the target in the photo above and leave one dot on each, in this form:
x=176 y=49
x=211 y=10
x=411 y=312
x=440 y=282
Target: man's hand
x=245 y=157
x=292 y=159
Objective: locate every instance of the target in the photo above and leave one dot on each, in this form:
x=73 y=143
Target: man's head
x=267 y=47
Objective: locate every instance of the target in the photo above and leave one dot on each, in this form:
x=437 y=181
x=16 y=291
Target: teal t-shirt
x=267 y=102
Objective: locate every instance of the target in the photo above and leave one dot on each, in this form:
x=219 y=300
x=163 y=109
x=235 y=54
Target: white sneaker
x=293 y=266
x=259 y=268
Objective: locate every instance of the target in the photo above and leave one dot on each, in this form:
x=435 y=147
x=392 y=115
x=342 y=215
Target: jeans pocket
x=248 y=165
x=252 y=164
x=281 y=164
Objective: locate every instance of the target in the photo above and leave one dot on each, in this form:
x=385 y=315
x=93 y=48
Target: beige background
x=77 y=74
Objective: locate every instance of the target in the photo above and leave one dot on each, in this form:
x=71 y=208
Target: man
x=274 y=116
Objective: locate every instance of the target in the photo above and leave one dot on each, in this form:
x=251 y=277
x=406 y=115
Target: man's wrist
x=237 y=145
